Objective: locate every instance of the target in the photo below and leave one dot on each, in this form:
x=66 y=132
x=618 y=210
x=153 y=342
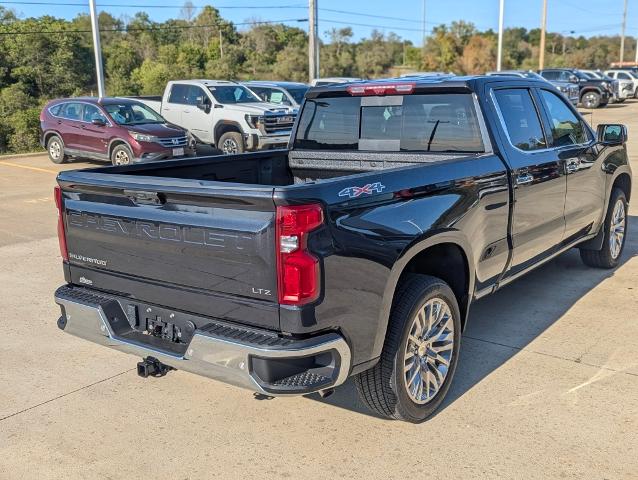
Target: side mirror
x=611 y=134
x=98 y=122
x=573 y=79
x=203 y=104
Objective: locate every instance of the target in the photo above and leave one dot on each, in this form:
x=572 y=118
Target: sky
x=404 y=17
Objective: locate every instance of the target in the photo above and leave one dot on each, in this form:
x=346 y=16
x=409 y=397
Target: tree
x=479 y=55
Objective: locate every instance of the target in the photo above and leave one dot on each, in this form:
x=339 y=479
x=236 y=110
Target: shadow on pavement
x=511 y=319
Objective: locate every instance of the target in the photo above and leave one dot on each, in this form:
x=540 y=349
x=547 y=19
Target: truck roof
x=468 y=83
x=208 y=83
x=274 y=83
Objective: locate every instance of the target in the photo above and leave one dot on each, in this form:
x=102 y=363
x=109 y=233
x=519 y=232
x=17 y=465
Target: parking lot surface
x=547 y=385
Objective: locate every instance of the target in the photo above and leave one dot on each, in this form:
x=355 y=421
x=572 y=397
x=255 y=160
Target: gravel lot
x=547 y=385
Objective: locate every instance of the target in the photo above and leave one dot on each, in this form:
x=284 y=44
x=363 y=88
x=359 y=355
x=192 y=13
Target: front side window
x=195 y=95
x=624 y=76
x=132 y=114
x=415 y=123
x=233 y=94
x=521 y=119
x=91 y=112
x=179 y=93
x=566 y=127
x=271 y=95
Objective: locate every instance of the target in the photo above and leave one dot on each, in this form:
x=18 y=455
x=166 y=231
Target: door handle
x=524 y=179
x=572 y=166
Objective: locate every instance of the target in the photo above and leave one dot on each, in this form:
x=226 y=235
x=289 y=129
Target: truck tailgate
x=151 y=237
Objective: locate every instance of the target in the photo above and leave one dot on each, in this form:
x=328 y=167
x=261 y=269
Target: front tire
x=591 y=100
x=231 y=143
x=55 y=149
x=121 y=155
x=420 y=354
x=615 y=226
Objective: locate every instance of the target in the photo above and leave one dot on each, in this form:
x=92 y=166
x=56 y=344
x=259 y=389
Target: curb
x=16 y=156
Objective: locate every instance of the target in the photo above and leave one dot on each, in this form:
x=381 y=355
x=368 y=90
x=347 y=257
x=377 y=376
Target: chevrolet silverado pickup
x=356 y=252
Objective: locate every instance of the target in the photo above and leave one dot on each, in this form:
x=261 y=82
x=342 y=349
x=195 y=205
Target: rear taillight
x=57 y=192
x=298 y=276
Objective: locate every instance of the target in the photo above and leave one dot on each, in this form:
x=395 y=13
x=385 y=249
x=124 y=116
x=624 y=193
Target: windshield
x=297 y=93
x=233 y=94
x=132 y=114
x=421 y=123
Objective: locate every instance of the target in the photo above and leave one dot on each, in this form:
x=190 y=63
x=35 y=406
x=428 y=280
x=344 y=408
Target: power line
x=385 y=27
x=150 y=29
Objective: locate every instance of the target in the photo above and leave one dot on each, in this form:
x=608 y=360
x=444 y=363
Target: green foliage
x=141 y=55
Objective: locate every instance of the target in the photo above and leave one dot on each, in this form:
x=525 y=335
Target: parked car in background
x=224 y=114
x=594 y=92
x=318 y=82
x=288 y=94
x=569 y=89
x=621 y=89
x=119 y=130
x=625 y=75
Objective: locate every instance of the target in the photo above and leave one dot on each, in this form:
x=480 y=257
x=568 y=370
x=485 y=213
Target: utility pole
x=423 y=25
x=99 y=72
x=622 y=34
x=499 y=55
x=541 y=54
x=313 y=42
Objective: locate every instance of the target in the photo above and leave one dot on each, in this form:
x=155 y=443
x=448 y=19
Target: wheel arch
x=446 y=255
x=623 y=181
x=118 y=141
x=225 y=126
x=50 y=133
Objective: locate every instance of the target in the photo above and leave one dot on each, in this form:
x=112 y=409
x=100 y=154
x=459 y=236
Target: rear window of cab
x=409 y=123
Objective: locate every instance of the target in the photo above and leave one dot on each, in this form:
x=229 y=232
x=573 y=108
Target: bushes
x=19 y=120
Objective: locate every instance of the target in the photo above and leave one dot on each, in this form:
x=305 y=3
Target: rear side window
x=550 y=75
x=567 y=129
x=414 y=123
x=71 y=111
x=55 y=110
x=521 y=118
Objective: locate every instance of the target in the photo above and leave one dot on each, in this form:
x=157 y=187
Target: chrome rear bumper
x=239 y=356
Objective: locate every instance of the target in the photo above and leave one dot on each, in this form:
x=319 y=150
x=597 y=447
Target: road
x=547 y=385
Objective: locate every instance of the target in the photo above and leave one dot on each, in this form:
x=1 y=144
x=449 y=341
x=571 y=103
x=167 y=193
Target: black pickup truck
x=355 y=252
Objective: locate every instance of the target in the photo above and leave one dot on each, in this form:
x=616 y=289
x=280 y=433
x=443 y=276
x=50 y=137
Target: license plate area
x=163 y=325
x=178 y=152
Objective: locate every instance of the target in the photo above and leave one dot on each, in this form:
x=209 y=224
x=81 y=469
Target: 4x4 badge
x=369 y=189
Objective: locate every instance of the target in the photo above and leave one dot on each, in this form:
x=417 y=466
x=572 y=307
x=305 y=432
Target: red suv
x=118 y=130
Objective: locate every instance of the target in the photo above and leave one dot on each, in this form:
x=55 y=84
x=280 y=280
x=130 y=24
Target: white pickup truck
x=224 y=114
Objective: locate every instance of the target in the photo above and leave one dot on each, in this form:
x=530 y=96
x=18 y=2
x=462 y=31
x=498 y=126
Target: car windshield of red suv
x=132 y=114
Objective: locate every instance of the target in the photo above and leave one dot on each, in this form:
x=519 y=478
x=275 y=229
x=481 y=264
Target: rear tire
x=420 y=354
x=614 y=227
x=55 y=149
x=231 y=143
x=121 y=155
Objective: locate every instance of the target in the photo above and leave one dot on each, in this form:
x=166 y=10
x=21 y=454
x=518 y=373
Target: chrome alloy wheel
x=617 y=229
x=229 y=146
x=428 y=351
x=55 y=149
x=589 y=100
x=122 y=158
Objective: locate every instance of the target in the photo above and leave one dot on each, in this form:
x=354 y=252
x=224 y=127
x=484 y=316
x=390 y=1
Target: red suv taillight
x=57 y=192
x=298 y=276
